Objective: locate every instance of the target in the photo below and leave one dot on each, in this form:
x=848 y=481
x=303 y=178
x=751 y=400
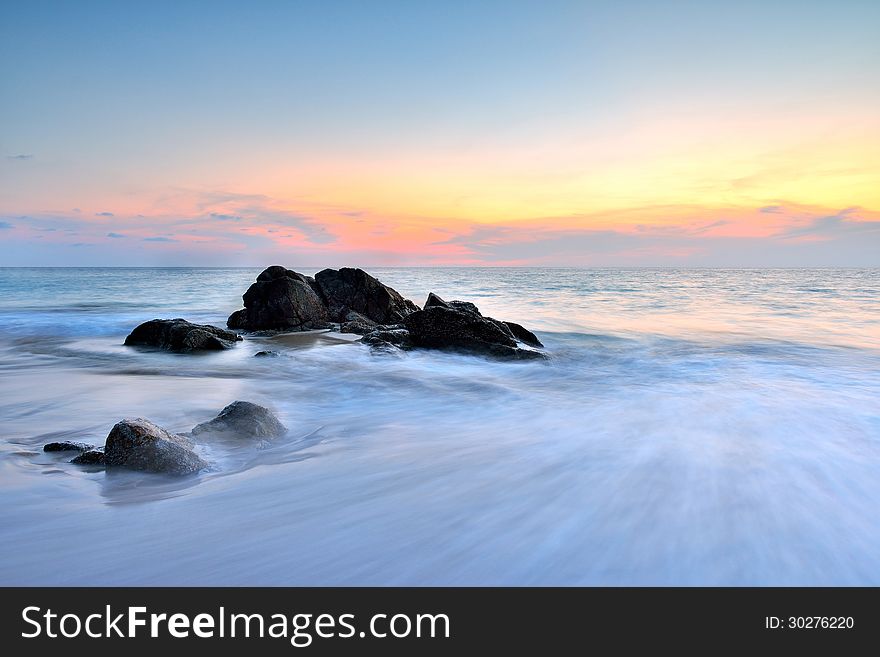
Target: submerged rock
x=267 y=354
x=67 y=446
x=385 y=337
x=437 y=326
x=243 y=419
x=357 y=324
x=459 y=325
x=181 y=335
x=138 y=444
x=281 y=299
x=349 y=289
x=90 y=457
x=523 y=334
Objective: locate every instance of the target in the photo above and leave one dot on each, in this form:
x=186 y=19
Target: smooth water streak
x=691 y=427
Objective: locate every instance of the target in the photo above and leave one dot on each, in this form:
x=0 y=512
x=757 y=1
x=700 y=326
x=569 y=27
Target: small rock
x=464 y=306
x=357 y=324
x=387 y=337
x=67 y=446
x=267 y=354
x=434 y=300
x=524 y=335
x=138 y=444
x=181 y=335
x=245 y=420
x=90 y=457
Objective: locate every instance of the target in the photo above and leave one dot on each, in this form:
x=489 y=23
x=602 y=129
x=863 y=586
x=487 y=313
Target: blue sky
x=405 y=132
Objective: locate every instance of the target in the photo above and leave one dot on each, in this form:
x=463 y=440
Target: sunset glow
x=589 y=149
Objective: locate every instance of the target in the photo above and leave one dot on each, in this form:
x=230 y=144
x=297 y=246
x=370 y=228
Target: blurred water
x=692 y=427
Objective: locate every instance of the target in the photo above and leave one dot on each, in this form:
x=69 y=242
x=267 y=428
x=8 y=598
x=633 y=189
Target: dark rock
x=465 y=306
x=67 y=446
x=358 y=328
x=90 y=457
x=439 y=327
x=512 y=329
x=502 y=326
x=281 y=299
x=523 y=334
x=357 y=323
x=245 y=420
x=349 y=289
x=181 y=335
x=434 y=301
x=138 y=444
x=267 y=354
x=387 y=338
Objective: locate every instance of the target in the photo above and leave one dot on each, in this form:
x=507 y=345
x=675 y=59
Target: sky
x=411 y=132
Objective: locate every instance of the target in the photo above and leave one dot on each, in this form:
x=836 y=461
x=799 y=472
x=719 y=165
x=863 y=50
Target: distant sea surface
x=692 y=427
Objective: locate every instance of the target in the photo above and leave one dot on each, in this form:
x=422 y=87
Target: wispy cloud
x=159 y=239
x=772 y=209
x=832 y=226
x=224 y=217
x=115 y=236
x=313 y=230
x=20 y=156
x=104 y=214
x=5 y=224
x=805 y=238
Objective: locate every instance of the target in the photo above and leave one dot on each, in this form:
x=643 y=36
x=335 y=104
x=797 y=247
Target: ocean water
x=692 y=427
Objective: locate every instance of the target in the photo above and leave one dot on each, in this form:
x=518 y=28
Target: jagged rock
x=242 y=419
x=523 y=334
x=181 y=335
x=511 y=329
x=439 y=327
x=67 y=446
x=138 y=444
x=90 y=457
x=434 y=300
x=349 y=289
x=465 y=306
x=281 y=299
x=387 y=338
x=357 y=323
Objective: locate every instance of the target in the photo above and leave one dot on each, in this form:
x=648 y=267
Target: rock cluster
x=458 y=326
x=139 y=444
x=351 y=301
x=282 y=299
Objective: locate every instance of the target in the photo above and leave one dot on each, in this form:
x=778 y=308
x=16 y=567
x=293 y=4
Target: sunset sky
x=427 y=133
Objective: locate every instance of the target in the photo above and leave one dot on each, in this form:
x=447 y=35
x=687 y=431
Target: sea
x=691 y=427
